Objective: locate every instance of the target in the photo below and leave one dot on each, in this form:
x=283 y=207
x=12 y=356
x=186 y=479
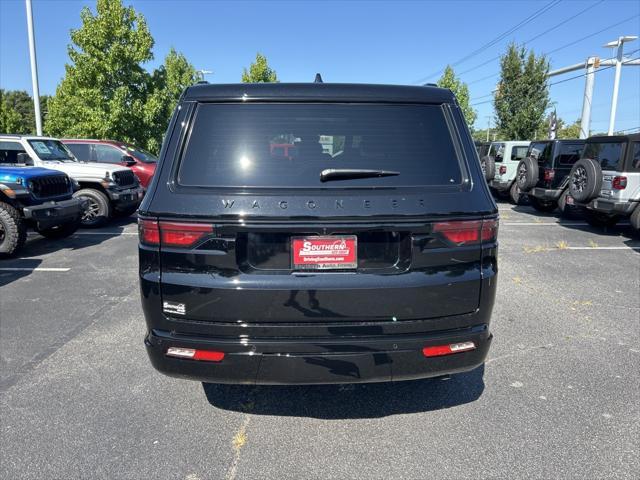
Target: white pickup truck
x=107 y=188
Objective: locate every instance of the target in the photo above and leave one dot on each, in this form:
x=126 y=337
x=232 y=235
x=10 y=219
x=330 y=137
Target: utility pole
x=488 y=126
x=619 y=44
x=587 y=100
x=34 y=68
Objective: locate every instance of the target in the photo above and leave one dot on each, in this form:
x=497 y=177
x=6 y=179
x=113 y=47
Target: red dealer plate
x=324 y=253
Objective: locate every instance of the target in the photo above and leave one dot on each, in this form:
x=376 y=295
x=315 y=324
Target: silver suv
x=606 y=180
x=501 y=167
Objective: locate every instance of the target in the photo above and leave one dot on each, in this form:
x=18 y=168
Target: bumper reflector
x=439 y=350
x=193 y=354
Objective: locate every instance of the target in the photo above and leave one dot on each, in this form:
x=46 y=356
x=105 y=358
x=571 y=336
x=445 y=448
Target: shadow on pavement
x=350 y=401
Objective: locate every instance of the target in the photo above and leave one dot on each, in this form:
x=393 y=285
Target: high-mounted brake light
x=193 y=354
x=440 y=350
x=619 y=183
x=468 y=232
x=171 y=234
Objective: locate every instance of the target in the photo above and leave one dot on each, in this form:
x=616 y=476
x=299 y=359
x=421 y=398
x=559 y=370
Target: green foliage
x=523 y=94
x=17 y=111
x=568 y=131
x=461 y=91
x=106 y=92
x=259 y=71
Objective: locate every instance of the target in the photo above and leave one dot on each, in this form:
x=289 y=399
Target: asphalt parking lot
x=558 y=397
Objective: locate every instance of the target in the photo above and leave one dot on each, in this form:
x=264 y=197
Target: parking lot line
x=106 y=233
x=34 y=269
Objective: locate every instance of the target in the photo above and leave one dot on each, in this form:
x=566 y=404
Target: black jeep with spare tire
x=544 y=174
x=317 y=233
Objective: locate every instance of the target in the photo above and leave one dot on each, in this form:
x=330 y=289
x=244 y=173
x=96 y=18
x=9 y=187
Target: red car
x=142 y=163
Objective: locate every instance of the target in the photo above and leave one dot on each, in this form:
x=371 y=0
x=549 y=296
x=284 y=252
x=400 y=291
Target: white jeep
x=107 y=188
x=501 y=164
x=606 y=180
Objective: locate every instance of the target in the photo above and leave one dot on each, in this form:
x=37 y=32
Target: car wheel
x=543 y=206
x=527 y=174
x=13 y=231
x=634 y=219
x=601 y=220
x=585 y=180
x=488 y=166
x=514 y=194
x=60 y=231
x=98 y=210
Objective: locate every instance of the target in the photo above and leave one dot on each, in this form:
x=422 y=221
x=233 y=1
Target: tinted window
x=541 y=151
x=9 y=152
x=497 y=151
x=635 y=160
x=244 y=145
x=607 y=154
x=107 y=154
x=82 y=151
x=568 y=154
x=139 y=154
x=518 y=153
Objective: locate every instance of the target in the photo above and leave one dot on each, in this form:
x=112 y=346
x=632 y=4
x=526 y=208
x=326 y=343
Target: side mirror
x=128 y=160
x=25 y=159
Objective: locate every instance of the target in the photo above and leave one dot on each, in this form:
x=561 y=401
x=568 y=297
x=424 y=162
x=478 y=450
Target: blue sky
x=358 y=41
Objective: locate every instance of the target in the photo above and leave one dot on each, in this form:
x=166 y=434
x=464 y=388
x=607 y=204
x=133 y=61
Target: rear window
x=518 y=153
x=289 y=145
x=541 y=152
x=607 y=154
x=497 y=151
x=568 y=154
x=635 y=159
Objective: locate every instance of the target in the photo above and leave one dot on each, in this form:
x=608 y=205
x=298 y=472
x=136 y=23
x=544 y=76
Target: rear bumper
x=611 y=207
x=319 y=360
x=500 y=185
x=51 y=214
x=546 y=194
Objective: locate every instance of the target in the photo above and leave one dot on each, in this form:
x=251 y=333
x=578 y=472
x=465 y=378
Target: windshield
x=289 y=145
x=139 y=154
x=51 y=150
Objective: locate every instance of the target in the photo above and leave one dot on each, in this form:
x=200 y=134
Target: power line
x=500 y=37
x=547 y=53
x=558 y=25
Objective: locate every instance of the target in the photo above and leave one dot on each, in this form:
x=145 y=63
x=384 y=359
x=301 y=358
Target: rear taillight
x=502 y=170
x=171 y=234
x=468 y=232
x=440 y=350
x=619 y=183
x=549 y=174
x=193 y=354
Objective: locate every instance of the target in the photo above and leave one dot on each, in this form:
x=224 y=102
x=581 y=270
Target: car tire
x=585 y=180
x=13 y=230
x=98 y=211
x=634 y=219
x=566 y=210
x=527 y=174
x=60 y=231
x=488 y=165
x=514 y=194
x=601 y=220
x=543 y=206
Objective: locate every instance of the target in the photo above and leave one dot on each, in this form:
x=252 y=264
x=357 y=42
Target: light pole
x=619 y=44
x=34 y=68
x=202 y=73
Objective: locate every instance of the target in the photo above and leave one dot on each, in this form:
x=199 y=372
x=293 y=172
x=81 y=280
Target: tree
x=166 y=86
x=17 y=113
x=259 y=72
x=523 y=93
x=461 y=91
x=105 y=87
x=569 y=131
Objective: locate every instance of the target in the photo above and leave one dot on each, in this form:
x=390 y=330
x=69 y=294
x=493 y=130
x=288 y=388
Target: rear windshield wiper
x=347 y=173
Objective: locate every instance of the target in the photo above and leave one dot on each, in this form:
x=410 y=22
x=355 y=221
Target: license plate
x=324 y=253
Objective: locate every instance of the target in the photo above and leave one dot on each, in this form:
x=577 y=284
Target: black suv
x=544 y=173
x=317 y=233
